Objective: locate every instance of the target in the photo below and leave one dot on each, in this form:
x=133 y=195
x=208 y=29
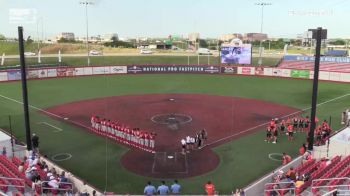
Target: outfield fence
x=59 y=72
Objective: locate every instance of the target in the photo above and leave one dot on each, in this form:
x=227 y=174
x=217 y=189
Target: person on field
x=286 y=159
x=268 y=134
x=149 y=189
x=175 y=188
x=290 y=130
x=183 y=146
x=163 y=189
x=209 y=188
x=302 y=149
x=35 y=142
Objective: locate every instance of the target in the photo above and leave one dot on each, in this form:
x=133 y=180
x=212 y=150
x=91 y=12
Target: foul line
x=257 y=126
x=50 y=125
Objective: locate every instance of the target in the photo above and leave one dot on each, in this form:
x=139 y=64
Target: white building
x=193 y=37
x=66 y=36
x=109 y=37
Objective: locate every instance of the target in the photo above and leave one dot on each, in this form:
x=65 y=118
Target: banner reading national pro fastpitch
x=172 y=69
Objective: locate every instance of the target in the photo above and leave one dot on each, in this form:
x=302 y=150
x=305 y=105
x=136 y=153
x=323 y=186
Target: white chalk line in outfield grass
x=44 y=111
x=214 y=142
x=264 y=124
x=50 y=125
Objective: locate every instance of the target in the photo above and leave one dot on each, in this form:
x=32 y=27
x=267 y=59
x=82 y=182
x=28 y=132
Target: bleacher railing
x=342 y=188
x=12 y=184
x=280 y=188
x=64 y=187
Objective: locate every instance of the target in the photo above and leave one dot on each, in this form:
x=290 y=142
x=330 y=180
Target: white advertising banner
x=267 y=71
x=100 y=70
x=334 y=76
x=286 y=73
x=3 y=76
x=345 y=77
x=277 y=72
x=118 y=69
x=32 y=74
x=87 y=70
x=79 y=71
x=42 y=73
x=51 y=73
x=323 y=75
x=246 y=70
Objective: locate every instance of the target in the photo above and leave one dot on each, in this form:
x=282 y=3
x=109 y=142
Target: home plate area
x=170 y=162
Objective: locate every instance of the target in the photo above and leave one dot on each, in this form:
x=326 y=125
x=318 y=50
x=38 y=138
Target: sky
x=160 y=18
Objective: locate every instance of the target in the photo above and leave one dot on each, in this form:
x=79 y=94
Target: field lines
x=50 y=125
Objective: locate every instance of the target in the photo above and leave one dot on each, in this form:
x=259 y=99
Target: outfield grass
x=242 y=161
x=136 y=60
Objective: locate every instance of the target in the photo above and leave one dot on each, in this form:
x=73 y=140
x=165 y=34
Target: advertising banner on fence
x=42 y=73
x=63 y=72
x=267 y=71
x=51 y=73
x=281 y=72
x=323 y=75
x=14 y=75
x=173 y=69
x=334 y=76
x=100 y=70
x=345 y=77
x=300 y=73
x=87 y=70
x=31 y=74
x=229 y=70
x=246 y=70
x=118 y=69
x=3 y=76
x=259 y=71
x=79 y=71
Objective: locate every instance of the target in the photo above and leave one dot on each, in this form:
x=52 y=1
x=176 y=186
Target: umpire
x=35 y=142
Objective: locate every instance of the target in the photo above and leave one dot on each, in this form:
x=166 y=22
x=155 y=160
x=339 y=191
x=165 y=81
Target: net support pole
x=315 y=88
x=24 y=88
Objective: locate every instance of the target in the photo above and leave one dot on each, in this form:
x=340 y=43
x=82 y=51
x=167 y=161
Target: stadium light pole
x=262 y=4
x=87 y=3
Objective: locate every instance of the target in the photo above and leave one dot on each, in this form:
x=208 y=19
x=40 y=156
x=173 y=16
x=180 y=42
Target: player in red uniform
x=274 y=133
x=290 y=132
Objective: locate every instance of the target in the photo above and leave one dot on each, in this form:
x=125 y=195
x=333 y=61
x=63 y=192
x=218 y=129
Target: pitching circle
x=273 y=155
x=66 y=156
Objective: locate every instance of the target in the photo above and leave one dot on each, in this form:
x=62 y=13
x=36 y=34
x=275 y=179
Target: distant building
x=66 y=35
x=255 y=36
x=229 y=37
x=109 y=37
x=193 y=37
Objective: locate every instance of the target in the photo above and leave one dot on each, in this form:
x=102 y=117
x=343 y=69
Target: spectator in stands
x=4 y=153
x=21 y=167
x=241 y=192
x=163 y=189
x=307 y=157
x=291 y=176
x=53 y=182
x=302 y=149
x=63 y=177
x=286 y=159
x=35 y=142
x=84 y=191
x=149 y=189
x=175 y=188
x=209 y=188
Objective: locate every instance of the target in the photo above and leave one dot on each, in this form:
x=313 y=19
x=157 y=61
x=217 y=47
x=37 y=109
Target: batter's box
x=170 y=162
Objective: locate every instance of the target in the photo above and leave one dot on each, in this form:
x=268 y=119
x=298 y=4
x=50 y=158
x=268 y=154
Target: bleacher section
x=16 y=182
x=328 y=178
x=324 y=66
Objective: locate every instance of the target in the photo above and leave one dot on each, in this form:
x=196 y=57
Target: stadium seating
x=324 y=66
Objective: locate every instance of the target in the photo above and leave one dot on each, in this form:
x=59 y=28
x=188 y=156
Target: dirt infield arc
x=220 y=116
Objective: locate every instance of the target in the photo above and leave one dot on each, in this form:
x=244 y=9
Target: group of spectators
x=41 y=176
x=124 y=134
x=198 y=141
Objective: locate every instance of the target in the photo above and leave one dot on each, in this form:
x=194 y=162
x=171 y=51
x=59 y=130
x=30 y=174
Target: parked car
x=204 y=51
x=145 y=51
x=95 y=52
x=29 y=54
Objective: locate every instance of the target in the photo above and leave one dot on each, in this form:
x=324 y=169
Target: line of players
x=124 y=134
x=297 y=123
